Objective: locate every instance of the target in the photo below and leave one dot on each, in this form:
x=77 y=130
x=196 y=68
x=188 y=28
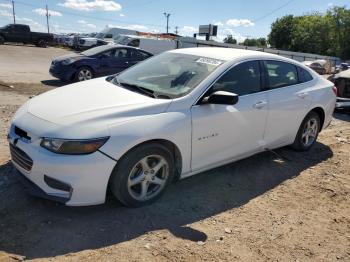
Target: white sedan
x=172 y=116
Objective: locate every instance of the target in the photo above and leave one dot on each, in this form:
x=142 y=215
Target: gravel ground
x=27 y=64
x=264 y=208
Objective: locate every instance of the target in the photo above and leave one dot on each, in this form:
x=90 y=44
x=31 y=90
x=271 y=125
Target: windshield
x=169 y=74
x=96 y=50
x=100 y=35
x=122 y=40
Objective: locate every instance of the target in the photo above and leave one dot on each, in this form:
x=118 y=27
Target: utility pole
x=176 y=30
x=13 y=12
x=47 y=20
x=167 y=21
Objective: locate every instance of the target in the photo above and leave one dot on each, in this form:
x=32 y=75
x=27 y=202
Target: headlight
x=68 y=61
x=73 y=147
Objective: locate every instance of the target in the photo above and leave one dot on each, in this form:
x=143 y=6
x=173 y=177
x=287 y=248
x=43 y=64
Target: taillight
x=335 y=90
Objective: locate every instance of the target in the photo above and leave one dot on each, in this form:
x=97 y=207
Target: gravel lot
x=264 y=208
x=27 y=64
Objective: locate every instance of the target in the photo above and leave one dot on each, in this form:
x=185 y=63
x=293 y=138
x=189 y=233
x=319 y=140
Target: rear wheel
x=41 y=43
x=83 y=74
x=308 y=132
x=142 y=175
x=2 y=40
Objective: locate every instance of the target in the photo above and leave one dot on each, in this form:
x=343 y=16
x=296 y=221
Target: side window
x=139 y=55
x=121 y=53
x=108 y=53
x=242 y=79
x=281 y=74
x=134 y=43
x=303 y=75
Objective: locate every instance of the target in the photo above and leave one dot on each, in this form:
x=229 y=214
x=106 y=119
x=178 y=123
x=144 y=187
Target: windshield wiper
x=141 y=89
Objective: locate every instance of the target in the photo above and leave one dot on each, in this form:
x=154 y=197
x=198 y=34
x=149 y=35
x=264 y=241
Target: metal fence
x=298 y=56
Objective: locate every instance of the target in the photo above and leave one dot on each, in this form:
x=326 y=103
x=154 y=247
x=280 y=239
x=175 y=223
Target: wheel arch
x=321 y=113
x=171 y=146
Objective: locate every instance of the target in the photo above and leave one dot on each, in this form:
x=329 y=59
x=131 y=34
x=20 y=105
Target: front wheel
x=142 y=175
x=308 y=132
x=2 y=40
x=83 y=74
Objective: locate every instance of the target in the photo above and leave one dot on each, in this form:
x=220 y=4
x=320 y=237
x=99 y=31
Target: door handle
x=260 y=104
x=303 y=95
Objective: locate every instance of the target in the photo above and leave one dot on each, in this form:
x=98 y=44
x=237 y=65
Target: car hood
x=73 y=56
x=93 y=102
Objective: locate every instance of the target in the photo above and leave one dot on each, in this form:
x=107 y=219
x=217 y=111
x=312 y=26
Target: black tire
x=300 y=141
x=41 y=43
x=122 y=173
x=2 y=40
x=80 y=70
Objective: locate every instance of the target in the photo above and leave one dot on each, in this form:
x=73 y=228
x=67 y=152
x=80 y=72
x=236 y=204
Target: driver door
x=222 y=133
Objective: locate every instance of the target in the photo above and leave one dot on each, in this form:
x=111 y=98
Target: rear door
x=226 y=132
x=120 y=60
x=106 y=62
x=288 y=97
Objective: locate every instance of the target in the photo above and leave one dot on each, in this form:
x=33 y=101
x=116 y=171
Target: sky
x=239 y=18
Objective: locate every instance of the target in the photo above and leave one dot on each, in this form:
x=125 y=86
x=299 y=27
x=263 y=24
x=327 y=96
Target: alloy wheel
x=84 y=74
x=148 y=177
x=310 y=132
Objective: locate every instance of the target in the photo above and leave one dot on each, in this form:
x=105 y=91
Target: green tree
x=259 y=42
x=281 y=32
x=311 y=34
x=340 y=35
x=230 y=40
x=325 y=34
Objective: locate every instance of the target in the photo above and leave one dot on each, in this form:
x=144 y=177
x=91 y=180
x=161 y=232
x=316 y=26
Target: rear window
x=303 y=75
x=281 y=74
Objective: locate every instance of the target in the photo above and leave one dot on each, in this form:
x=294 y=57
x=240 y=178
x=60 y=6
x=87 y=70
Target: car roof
x=226 y=54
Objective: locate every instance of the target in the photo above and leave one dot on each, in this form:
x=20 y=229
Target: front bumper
x=61 y=72
x=77 y=180
x=342 y=103
x=34 y=190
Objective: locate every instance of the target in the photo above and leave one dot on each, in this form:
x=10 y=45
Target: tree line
x=325 y=34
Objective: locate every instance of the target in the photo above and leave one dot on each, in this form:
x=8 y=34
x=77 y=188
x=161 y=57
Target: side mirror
x=221 y=98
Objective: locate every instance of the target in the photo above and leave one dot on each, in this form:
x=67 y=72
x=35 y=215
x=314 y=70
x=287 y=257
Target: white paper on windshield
x=209 y=61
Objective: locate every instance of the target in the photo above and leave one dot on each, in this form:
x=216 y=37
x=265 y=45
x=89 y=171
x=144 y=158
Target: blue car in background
x=99 y=61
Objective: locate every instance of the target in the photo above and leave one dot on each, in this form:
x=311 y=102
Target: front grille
x=21 y=158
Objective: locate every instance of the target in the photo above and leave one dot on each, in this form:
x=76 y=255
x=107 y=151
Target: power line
x=273 y=11
x=89 y=17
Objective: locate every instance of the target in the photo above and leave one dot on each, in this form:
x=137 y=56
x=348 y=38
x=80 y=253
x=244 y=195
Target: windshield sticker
x=209 y=61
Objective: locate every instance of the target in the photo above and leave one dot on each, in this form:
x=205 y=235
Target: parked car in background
x=19 y=33
x=150 y=44
x=342 y=82
x=98 y=61
x=172 y=116
x=84 y=43
x=316 y=66
x=342 y=67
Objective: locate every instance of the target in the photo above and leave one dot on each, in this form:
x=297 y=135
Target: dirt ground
x=264 y=208
x=27 y=64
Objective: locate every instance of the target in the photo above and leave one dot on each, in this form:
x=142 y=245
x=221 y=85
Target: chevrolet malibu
x=172 y=116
